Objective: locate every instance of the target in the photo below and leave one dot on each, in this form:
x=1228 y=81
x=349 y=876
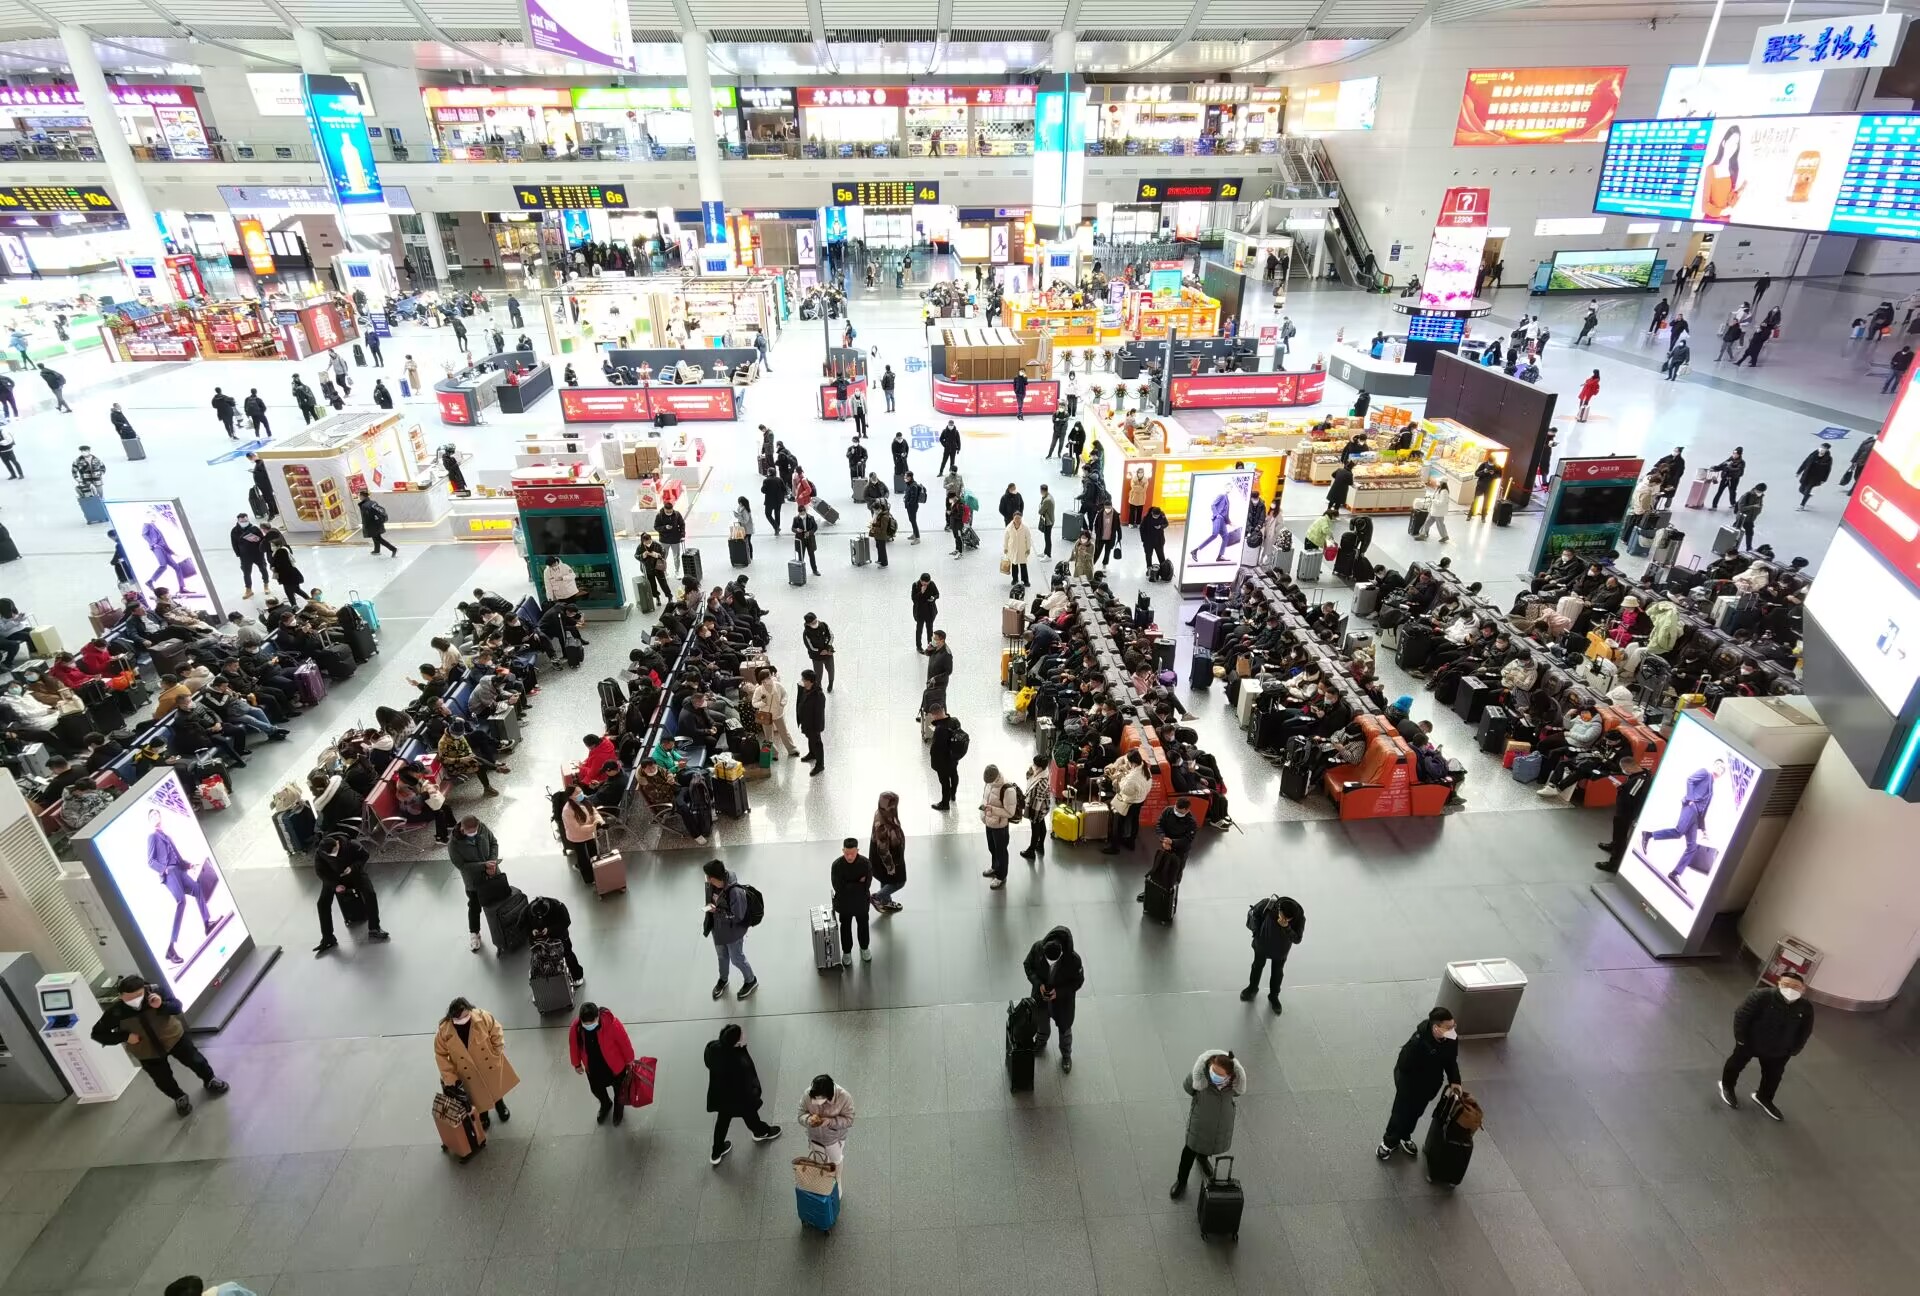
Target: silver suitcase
x=510 y=724
x=862 y=550
x=1249 y=694
x=34 y=758
x=826 y=939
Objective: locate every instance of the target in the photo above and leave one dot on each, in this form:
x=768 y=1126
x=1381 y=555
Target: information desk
x=525 y=388
x=470 y=390
x=993 y=399
x=696 y=402
x=1131 y=358
x=1362 y=372
x=1246 y=390
x=653 y=362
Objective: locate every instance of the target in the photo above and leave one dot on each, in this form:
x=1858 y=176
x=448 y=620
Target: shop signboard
x=340 y=137
x=1586 y=507
x=1333 y=106
x=648 y=99
x=253 y=243
x=593 y=31
x=1730 y=90
x=569 y=197
x=1202 y=189
x=38 y=100
x=280 y=94
x=1542 y=105
x=184 y=132
x=1216 y=532
x=885 y=193
x=1859 y=41
x=152 y=865
x=604 y=405
x=437 y=97
x=55 y=198
x=1245 y=390
x=325 y=327
x=454 y=407
x=159 y=348
x=695 y=404
x=766 y=98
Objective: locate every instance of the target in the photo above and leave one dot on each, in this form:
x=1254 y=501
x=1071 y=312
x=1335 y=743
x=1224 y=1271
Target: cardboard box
x=647 y=459
x=629 y=464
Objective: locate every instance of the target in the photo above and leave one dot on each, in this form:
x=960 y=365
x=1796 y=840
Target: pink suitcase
x=609 y=874
x=1697 y=493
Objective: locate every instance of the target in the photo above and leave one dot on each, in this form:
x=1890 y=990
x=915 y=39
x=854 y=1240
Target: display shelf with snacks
x=1454 y=451
x=1191 y=312
x=1386 y=486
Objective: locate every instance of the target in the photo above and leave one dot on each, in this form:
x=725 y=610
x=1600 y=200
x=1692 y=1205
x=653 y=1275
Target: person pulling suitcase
x=1056 y=973
x=341 y=865
x=1429 y=1060
x=1214 y=1085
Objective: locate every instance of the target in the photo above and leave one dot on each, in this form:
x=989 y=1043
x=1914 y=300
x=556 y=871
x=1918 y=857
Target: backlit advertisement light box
x=1780 y=172
x=1730 y=90
x=160 y=546
x=1216 y=534
x=1687 y=843
x=153 y=867
x=1872 y=617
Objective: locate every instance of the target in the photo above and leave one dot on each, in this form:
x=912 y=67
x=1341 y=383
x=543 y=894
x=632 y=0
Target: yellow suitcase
x=1066 y=823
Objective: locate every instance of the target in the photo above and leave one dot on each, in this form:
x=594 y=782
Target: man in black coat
x=939 y=657
x=1153 y=537
x=548 y=920
x=733 y=1089
x=148 y=1025
x=852 y=881
x=1277 y=923
x=1626 y=809
x=946 y=760
x=949 y=447
x=1773 y=1023
x=810 y=709
x=1429 y=1058
x=341 y=865
x=1055 y=972
x=926 y=606
x=250 y=547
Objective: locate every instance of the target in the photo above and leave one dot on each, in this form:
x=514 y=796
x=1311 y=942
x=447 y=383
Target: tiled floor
x=1607 y=1166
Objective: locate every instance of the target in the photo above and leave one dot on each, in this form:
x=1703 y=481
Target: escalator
x=1347 y=248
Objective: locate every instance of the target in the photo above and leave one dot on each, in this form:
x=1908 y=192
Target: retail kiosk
x=1171 y=453
x=513 y=380
x=973 y=371
x=318 y=472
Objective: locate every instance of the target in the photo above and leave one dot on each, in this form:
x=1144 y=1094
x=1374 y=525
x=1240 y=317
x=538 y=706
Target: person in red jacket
x=1588 y=390
x=98 y=659
x=599 y=1049
x=600 y=750
x=68 y=671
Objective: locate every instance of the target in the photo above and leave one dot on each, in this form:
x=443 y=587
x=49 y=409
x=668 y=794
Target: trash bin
x=1483 y=995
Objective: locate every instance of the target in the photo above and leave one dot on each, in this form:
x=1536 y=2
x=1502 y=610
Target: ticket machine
x=67 y=1012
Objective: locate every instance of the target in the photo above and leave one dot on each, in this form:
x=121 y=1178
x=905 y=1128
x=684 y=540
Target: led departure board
x=569 y=197
x=885 y=193
x=55 y=198
x=1436 y=328
x=1838 y=173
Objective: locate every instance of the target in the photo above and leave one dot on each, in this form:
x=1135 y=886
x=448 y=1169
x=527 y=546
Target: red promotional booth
x=1242 y=390
x=953 y=396
x=693 y=404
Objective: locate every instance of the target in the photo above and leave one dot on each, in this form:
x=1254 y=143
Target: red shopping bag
x=636 y=1088
x=1333 y=551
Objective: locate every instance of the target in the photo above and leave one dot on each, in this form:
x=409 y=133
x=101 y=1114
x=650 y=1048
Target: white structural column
x=1062 y=58
x=311 y=51
x=91 y=81
x=706 y=148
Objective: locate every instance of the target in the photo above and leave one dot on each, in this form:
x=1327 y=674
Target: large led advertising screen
x=1216 y=525
x=1871 y=616
x=1333 y=106
x=1730 y=90
x=1693 y=824
x=1611 y=270
x=146 y=852
x=1841 y=173
x=160 y=547
x=1545 y=105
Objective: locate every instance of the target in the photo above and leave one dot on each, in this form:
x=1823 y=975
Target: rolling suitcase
x=311 y=683
x=547 y=976
x=1503 y=513
x=739 y=552
x=1307 y=566
x=1249 y=694
x=609 y=874
x=730 y=796
x=1366 y=599
x=1095 y=820
x=461 y=1134
x=1471 y=700
x=1070 y=527
x=818 y=1210
x=1013 y=619
x=507 y=922
x=1416 y=520
x=796 y=572
x=826 y=939
x=1697 y=492
x=360 y=642
x=1494 y=724
x=1161 y=901
x=1200 y=671
x=1293 y=782
x=1416 y=645
x=1221 y=1200
x=828 y=513
x=1065 y=823
x=1020 y=1050
x=862 y=550
x=1448 y=1147
x=297 y=829
x=1726 y=540
x=353 y=910
x=1067 y=465
x=1207 y=630
x=690 y=566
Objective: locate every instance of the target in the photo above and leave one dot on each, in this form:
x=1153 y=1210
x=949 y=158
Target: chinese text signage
x=593 y=31
x=1870 y=40
x=55 y=198
x=569 y=197
x=1225 y=188
x=1549 y=105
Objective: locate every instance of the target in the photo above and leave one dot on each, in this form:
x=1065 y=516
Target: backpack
x=756 y=904
x=1432 y=765
x=1019 y=803
x=958 y=742
x=892 y=527
x=1257 y=912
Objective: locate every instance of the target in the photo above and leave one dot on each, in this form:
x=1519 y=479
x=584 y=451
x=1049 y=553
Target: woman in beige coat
x=1016 y=547
x=471 y=1050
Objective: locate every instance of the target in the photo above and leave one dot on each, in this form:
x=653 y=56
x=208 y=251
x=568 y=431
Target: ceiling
x=779 y=40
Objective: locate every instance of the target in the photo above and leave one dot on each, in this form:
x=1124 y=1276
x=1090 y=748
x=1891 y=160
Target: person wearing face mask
x=733 y=1090
x=1215 y=1084
x=472 y=849
x=1055 y=972
x=580 y=825
x=827 y=1112
x=147 y=1024
x=1429 y=1059
x=1773 y=1023
x=600 y=1049
x=471 y=1052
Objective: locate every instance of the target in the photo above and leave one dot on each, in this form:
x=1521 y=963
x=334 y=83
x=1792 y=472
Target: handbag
x=636 y=1083
x=1006 y=565
x=1333 y=551
x=815 y=1174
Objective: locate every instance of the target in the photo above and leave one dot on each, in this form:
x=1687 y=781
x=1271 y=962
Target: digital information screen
x=579 y=197
x=885 y=193
x=1830 y=173
x=1153 y=191
x=1872 y=617
x=1542 y=105
x=55 y=198
x=1217 y=505
x=1436 y=328
x=1604 y=271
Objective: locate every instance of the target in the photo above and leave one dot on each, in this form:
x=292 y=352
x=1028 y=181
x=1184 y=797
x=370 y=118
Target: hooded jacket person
x=1278 y=923
x=1055 y=972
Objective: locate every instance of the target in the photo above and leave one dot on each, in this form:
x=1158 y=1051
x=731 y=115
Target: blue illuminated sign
x=713 y=221
x=836 y=223
x=340 y=136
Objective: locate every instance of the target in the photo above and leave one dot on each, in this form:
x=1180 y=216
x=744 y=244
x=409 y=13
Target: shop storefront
x=851 y=121
x=1195 y=120
x=668 y=312
x=769 y=121
x=629 y=122
x=206 y=330
x=161 y=122
x=500 y=123
x=318 y=472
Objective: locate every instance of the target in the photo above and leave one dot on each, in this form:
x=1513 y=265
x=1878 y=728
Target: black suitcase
x=1447 y=1149
x=297 y=829
x=507 y=922
x=1416 y=520
x=1495 y=723
x=1293 y=782
x=690 y=564
x=730 y=797
x=1142 y=611
x=1200 y=673
x=666 y=418
x=1020 y=1032
x=1446 y=688
x=1163 y=650
x=1416 y=645
x=1345 y=555
x=353 y=910
x=1067 y=465
x=1222 y=1201
x=739 y=553
x=1161 y=901
x=1502 y=512
x=360 y=642
x=1471 y=700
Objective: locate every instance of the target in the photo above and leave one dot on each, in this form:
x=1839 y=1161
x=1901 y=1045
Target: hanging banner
x=593 y=31
x=1543 y=105
x=1861 y=41
x=340 y=136
x=253 y=242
